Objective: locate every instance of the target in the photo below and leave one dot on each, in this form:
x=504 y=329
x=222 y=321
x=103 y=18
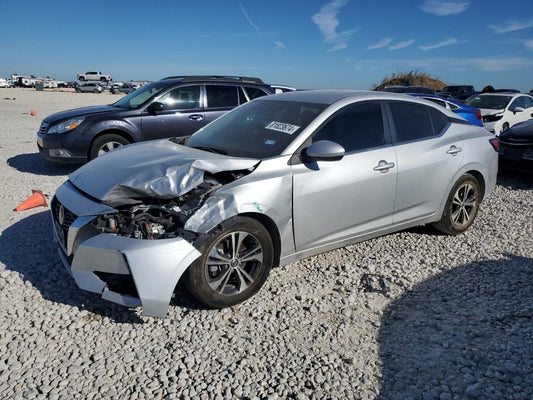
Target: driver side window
x=182 y=98
x=356 y=127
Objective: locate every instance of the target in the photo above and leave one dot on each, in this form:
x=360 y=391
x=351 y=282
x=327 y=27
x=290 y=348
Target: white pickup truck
x=94 y=76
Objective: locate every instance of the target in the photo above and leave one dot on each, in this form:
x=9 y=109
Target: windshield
x=489 y=102
x=138 y=97
x=258 y=129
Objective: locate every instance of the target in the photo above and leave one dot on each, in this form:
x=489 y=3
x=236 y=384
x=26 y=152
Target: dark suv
x=176 y=106
x=457 y=92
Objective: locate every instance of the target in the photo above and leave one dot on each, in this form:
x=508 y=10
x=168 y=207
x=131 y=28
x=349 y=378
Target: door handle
x=383 y=166
x=453 y=150
x=196 y=117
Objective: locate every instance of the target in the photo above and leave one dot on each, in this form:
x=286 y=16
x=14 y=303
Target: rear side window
x=220 y=96
x=438 y=120
x=254 y=93
x=412 y=121
x=356 y=127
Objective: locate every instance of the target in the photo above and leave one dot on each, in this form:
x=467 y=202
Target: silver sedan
x=278 y=179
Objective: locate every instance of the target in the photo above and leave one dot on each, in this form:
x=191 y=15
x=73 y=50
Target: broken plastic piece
x=375 y=283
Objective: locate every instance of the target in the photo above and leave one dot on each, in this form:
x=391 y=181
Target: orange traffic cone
x=33 y=113
x=35 y=200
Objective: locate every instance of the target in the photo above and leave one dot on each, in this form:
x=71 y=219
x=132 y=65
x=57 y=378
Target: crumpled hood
x=159 y=169
x=84 y=111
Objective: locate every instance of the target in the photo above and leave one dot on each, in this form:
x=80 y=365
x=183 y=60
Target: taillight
x=478 y=113
x=495 y=142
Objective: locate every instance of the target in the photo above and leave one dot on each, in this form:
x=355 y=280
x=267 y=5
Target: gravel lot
x=456 y=323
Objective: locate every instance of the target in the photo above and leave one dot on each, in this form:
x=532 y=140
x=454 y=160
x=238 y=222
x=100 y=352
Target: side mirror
x=155 y=108
x=325 y=150
x=518 y=109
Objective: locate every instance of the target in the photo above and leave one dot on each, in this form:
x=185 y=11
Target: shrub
x=413 y=78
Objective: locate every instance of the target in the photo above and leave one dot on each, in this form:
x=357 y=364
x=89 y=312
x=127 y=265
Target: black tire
x=235 y=262
x=106 y=143
x=81 y=78
x=461 y=206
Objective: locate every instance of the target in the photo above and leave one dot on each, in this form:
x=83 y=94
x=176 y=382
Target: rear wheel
x=105 y=144
x=461 y=206
x=235 y=262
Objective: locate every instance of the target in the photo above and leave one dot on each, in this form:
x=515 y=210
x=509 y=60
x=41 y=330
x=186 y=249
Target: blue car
x=471 y=114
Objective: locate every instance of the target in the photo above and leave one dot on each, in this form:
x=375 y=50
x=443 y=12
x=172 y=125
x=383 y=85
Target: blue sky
x=343 y=44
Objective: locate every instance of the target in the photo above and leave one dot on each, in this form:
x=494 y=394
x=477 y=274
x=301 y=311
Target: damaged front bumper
x=128 y=271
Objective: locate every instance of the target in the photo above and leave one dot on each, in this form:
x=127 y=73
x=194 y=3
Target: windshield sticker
x=282 y=127
x=270 y=142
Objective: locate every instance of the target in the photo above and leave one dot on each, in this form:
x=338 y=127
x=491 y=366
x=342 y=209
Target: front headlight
x=66 y=126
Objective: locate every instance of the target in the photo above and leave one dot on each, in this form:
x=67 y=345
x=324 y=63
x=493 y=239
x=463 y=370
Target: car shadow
x=461 y=333
x=34 y=256
x=34 y=163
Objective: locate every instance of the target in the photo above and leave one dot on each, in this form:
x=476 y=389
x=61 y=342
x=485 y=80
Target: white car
x=4 y=83
x=92 y=87
x=500 y=111
x=94 y=76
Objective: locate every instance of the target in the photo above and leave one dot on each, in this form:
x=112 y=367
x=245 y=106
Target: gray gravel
x=455 y=323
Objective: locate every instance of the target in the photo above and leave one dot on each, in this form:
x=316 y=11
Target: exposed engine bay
x=153 y=219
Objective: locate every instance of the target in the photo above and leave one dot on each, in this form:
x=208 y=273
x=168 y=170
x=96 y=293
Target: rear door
x=183 y=114
x=337 y=200
x=220 y=99
x=428 y=155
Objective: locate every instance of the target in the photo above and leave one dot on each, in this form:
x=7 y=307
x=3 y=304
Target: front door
x=354 y=196
x=183 y=114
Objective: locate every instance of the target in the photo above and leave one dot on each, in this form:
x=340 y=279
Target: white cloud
x=500 y=64
x=339 y=46
x=327 y=22
x=279 y=45
x=443 y=8
x=511 y=25
x=487 y=64
x=447 y=42
x=529 y=44
x=248 y=18
x=382 y=43
x=402 y=45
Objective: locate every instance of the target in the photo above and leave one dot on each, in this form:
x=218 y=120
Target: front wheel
x=461 y=207
x=235 y=262
x=105 y=144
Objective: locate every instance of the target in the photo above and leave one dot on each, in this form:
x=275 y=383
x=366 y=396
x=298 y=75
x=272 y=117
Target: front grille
x=63 y=218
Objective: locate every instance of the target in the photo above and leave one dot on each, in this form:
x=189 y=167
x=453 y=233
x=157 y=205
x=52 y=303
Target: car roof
x=214 y=78
x=331 y=96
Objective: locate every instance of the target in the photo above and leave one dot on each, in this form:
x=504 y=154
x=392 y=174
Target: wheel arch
x=272 y=229
x=119 y=132
x=480 y=179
